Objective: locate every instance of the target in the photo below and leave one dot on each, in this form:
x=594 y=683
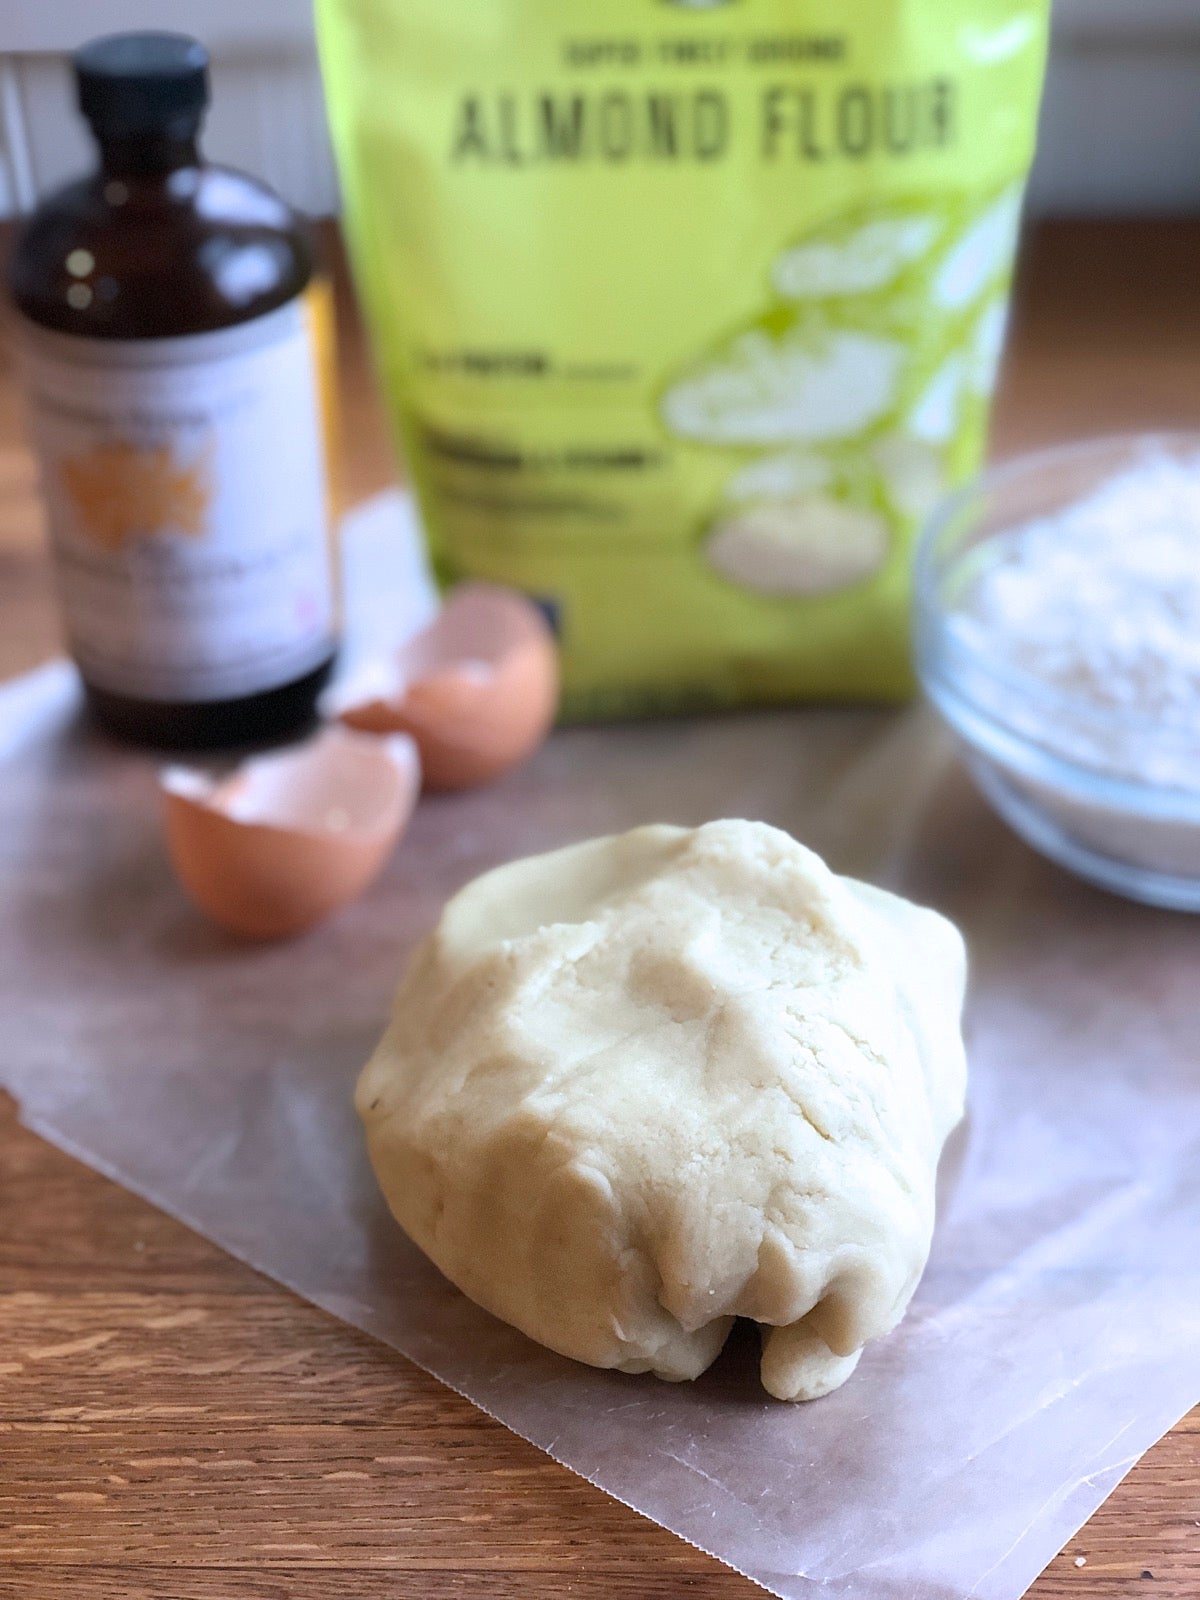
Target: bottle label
x=187 y=489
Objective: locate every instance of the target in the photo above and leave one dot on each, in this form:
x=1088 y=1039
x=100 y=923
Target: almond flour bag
x=688 y=310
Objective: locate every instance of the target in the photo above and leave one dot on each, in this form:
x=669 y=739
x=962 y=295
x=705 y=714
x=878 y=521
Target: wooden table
x=172 y=1425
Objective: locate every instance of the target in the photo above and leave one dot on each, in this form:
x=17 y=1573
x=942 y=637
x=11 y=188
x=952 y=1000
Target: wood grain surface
x=174 y=1426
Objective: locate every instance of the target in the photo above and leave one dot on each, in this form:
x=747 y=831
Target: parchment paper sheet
x=1057 y=1331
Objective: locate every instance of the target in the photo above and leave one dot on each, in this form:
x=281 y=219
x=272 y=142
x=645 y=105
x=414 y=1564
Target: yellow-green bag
x=688 y=310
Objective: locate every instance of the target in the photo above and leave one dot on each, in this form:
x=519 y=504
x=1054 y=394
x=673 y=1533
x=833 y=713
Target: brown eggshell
x=477 y=688
x=290 y=837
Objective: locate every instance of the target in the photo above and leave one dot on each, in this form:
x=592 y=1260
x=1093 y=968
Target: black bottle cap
x=136 y=83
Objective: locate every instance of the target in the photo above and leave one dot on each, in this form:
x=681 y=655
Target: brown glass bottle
x=185 y=281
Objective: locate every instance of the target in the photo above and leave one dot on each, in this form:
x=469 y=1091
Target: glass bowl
x=1045 y=758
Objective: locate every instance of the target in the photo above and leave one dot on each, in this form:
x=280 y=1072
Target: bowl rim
x=932 y=618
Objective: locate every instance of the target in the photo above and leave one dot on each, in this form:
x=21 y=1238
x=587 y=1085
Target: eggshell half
x=477 y=688
x=289 y=837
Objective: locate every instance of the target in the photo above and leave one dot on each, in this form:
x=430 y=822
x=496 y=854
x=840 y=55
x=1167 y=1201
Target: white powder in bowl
x=1082 y=633
x=1100 y=603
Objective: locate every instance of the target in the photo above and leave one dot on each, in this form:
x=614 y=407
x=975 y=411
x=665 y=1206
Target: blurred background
x=1120 y=128
x=1106 y=320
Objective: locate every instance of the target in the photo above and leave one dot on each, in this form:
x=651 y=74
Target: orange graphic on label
x=124 y=491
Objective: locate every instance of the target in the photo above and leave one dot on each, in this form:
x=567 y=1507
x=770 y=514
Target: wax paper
x=1056 y=1333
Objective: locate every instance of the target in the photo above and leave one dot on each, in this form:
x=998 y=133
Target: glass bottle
x=176 y=342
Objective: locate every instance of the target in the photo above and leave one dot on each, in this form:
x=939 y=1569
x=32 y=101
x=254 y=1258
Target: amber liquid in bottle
x=158 y=245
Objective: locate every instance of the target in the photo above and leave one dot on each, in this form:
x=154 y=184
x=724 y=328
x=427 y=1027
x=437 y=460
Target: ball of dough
x=641 y=1086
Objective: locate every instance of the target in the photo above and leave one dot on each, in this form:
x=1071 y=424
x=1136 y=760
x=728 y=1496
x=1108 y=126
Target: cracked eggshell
x=477 y=688
x=284 y=840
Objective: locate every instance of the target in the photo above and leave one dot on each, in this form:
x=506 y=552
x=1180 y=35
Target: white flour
x=1084 y=633
x=1100 y=603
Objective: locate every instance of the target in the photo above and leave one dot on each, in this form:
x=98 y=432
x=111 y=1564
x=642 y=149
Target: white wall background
x=1120 y=129
x=1121 y=118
